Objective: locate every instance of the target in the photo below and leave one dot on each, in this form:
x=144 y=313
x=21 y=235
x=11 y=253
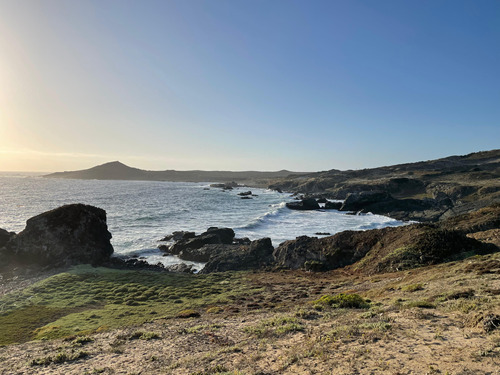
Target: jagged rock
x=71 y=234
x=164 y=248
x=333 y=252
x=242 y=241
x=211 y=236
x=304 y=204
x=359 y=201
x=201 y=254
x=178 y=235
x=379 y=250
x=5 y=237
x=241 y=257
x=333 y=205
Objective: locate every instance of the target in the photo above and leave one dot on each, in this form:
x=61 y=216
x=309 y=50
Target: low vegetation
x=88 y=320
x=86 y=300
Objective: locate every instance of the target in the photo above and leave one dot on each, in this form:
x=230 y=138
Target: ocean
x=139 y=213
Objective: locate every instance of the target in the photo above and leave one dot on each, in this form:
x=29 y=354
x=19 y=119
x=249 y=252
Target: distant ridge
x=116 y=170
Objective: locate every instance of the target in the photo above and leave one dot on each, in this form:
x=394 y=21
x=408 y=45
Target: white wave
x=276 y=210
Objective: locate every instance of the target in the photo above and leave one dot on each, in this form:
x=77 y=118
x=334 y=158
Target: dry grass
x=424 y=321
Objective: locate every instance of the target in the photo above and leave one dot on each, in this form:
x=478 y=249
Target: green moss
x=86 y=299
x=420 y=304
x=342 y=300
x=412 y=287
x=19 y=325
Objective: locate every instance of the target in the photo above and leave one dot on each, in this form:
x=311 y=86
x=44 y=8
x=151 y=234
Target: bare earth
x=451 y=333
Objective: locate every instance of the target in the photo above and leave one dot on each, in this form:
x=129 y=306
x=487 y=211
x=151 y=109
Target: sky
x=246 y=84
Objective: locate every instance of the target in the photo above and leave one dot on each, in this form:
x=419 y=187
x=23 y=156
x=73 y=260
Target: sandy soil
x=392 y=337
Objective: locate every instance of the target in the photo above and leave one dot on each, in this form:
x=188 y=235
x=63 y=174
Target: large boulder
x=68 y=235
x=213 y=235
x=332 y=252
x=257 y=255
x=304 y=204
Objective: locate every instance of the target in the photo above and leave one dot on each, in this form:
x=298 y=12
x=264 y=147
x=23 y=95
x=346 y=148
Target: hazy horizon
x=246 y=85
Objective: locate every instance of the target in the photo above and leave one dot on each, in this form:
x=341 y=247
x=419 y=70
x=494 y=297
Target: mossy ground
x=86 y=299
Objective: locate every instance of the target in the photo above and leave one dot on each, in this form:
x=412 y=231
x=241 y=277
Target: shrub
x=342 y=300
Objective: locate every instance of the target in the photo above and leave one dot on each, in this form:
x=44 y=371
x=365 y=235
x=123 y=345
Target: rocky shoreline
x=77 y=234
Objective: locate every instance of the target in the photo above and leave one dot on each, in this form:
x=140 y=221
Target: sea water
x=139 y=213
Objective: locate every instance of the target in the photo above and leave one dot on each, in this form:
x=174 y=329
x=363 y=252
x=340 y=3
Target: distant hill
x=119 y=171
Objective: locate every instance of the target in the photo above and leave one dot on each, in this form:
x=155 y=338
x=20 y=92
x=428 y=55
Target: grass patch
x=61 y=357
x=341 y=300
x=276 y=327
x=421 y=304
x=20 y=325
x=412 y=288
x=86 y=300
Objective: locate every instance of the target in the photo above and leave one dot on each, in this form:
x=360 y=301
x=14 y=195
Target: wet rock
x=165 y=249
x=245 y=193
x=333 y=205
x=242 y=241
x=178 y=235
x=304 y=204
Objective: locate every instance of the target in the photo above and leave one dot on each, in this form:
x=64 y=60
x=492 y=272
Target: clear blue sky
x=238 y=85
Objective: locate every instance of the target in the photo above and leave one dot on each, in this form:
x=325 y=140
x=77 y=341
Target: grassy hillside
x=436 y=319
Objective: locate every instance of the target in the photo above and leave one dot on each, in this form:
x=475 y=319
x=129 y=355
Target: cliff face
x=424 y=191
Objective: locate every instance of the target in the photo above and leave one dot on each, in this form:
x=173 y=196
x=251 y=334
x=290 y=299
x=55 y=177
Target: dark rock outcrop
x=304 y=204
x=362 y=200
x=333 y=205
x=68 y=235
x=337 y=251
x=5 y=237
x=133 y=264
x=225 y=186
x=379 y=250
x=179 y=235
x=245 y=193
x=257 y=255
x=211 y=236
